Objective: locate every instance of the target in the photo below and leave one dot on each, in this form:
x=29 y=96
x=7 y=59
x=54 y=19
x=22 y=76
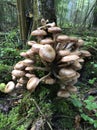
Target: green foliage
x=5 y=73
x=2 y=86
x=88 y=105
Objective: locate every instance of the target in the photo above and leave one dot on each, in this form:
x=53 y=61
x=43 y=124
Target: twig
x=42 y=113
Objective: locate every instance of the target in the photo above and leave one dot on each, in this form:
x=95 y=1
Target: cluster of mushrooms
x=60 y=57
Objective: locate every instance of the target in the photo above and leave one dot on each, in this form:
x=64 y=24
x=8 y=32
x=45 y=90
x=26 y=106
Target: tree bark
x=95 y=15
x=43 y=9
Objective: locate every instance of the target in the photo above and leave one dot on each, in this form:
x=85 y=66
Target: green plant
x=87 y=109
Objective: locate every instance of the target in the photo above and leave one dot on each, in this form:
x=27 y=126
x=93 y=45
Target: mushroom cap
x=9 y=87
x=35 y=47
x=49 y=80
x=32 y=83
x=63 y=93
x=47 y=41
x=85 y=53
x=28 y=62
x=24 y=54
x=77 y=52
x=18 y=73
x=20 y=65
x=81 y=60
x=47 y=53
x=30 y=43
x=80 y=42
x=69 y=58
x=62 y=38
x=19 y=85
x=29 y=68
x=73 y=39
x=30 y=52
x=54 y=30
x=76 y=65
x=72 y=89
x=72 y=82
x=67 y=73
x=23 y=80
x=38 y=32
x=28 y=75
x=63 y=52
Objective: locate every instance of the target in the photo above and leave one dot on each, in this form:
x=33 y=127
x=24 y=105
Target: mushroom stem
x=41 y=79
x=40 y=68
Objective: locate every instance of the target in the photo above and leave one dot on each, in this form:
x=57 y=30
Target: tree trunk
x=24 y=18
x=43 y=9
x=48 y=10
x=95 y=15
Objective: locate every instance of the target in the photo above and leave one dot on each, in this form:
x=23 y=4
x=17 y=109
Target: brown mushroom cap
x=62 y=38
x=28 y=62
x=38 y=32
x=24 y=54
x=47 y=41
x=71 y=88
x=19 y=85
x=30 y=43
x=49 y=80
x=63 y=52
x=9 y=87
x=85 y=53
x=80 y=42
x=28 y=75
x=47 y=53
x=32 y=83
x=73 y=39
x=67 y=73
x=29 y=68
x=23 y=80
x=35 y=47
x=63 y=93
x=18 y=73
x=54 y=30
x=69 y=58
x=76 y=65
x=20 y=65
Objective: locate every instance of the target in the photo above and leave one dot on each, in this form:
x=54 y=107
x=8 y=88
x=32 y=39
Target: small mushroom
x=28 y=62
x=23 y=80
x=29 y=68
x=9 y=87
x=30 y=43
x=18 y=73
x=49 y=80
x=62 y=38
x=30 y=53
x=72 y=89
x=24 y=54
x=63 y=52
x=20 y=65
x=28 y=75
x=55 y=31
x=19 y=85
x=85 y=53
x=67 y=73
x=63 y=93
x=39 y=33
x=36 y=47
x=73 y=39
x=47 y=53
x=47 y=41
x=80 y=42
x=76 y=65
x=32 y=83
x=69 y=58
